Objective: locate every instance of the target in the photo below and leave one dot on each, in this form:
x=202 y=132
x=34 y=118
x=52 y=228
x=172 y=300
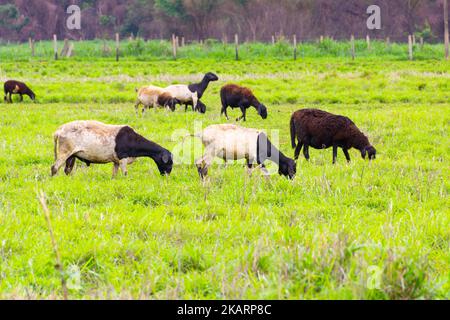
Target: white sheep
x=232 y=142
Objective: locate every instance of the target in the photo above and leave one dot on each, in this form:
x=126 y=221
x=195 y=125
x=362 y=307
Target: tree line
x=252 y=20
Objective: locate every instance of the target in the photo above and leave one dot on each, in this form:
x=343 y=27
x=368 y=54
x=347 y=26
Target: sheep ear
x=165 y=158
x=363 y=153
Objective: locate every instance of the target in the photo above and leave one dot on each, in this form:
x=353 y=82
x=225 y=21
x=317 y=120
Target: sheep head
x=201 y=107
x=165 y=163
x=211 y=77
x=288 y=168
x=262 y=111
x=370 y=151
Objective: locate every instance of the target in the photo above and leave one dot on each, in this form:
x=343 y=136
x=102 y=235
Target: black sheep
x=320 y=130
x=16 y=87
x=201 y=107
x=235 y=96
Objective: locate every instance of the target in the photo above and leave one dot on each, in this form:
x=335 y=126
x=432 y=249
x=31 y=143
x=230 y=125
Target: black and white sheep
x=321 y=130
x=231 y=142
x=189 y=95
x=96 y=142
x=16 y=87
x=235 y=96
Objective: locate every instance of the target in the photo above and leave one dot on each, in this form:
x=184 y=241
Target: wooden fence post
x=31 y=42
x=70 y=51
x=446 y=36
x=421 y=42
x=295 y=47
x=117 y=47
x=388 y=42
x=352 y=41
x=174 y=46
x=55 y=46
x=368 y=42
x=273 y=40
x=182 y=42
x=236 y=43
x=410 y=47
x=65 y=48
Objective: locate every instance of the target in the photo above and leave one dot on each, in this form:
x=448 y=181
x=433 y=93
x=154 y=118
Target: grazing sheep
x=16 y=87
x=189 y=95
x=96 y=142
x=167 y=101
x=321 y=130
x=231 y=142
x=153 y=96
x=235 y=96
x=183 y=94
x=201 y=107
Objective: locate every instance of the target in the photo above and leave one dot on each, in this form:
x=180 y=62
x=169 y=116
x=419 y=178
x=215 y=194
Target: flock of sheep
x=93 y=142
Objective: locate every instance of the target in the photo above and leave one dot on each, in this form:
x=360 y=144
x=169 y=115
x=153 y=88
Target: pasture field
x=344 y=231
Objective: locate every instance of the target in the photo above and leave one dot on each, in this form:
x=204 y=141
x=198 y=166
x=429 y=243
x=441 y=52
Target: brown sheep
x=167 y=101
x=321 y=130
x=235 y=96
x=16 y=87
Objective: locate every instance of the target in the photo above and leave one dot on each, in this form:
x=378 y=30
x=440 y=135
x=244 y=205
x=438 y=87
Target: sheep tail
x=294 y=145
x=56 y=139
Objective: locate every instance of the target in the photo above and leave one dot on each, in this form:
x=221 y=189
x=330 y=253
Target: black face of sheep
x=262 y=111
x=172 y=103
x=165 y=164
x=201 y=107
x=211 y=77
x=288 y=169
x=370 y=151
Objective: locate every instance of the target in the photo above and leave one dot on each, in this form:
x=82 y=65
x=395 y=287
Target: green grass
x=344 y=231
x=213 y=49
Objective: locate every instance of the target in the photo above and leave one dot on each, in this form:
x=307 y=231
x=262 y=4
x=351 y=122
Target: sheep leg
x=194 y=102
x=205 y=162
x=347 y=155
x=62 y=158
x=123 y=166
x=70 y=164
x=298 y=150
x=335 y=150
x=243 y=114
x=115 y=169
x=136 y=106
x=306 y=151
x=21 y=98
x=249 y=168
x=224 y=111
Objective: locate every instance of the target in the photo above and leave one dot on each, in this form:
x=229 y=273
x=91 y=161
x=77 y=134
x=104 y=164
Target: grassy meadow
x=362 y=230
